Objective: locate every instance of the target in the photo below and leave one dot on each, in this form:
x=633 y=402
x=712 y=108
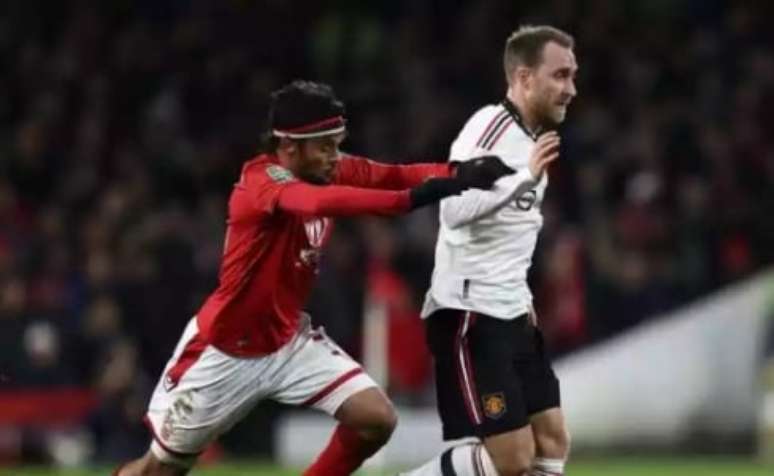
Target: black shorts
x=491 y=374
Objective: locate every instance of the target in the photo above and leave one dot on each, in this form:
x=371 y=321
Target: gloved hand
x=434 y=190
x=481 y=172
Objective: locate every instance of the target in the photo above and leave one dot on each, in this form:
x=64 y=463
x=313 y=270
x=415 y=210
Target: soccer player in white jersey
x=493 y=379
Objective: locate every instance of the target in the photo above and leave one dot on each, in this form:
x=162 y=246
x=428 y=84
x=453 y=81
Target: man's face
x=314 y=160
x=551 y=85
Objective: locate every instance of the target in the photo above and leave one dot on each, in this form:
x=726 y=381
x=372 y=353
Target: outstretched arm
x=336 y=200
x=362 y=172
x=340 y=200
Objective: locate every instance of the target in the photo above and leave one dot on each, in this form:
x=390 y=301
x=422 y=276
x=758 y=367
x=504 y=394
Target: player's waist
x=246 y=334
x=500 y=307
x=499 y=294
x=505 y=273
x=484 y=290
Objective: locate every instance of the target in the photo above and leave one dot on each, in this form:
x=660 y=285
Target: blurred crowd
x=123 y=125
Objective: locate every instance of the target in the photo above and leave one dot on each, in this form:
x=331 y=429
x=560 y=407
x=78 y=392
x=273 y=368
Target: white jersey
x=487 y=237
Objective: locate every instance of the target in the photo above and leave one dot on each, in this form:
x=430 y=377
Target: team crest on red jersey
x=279 y=174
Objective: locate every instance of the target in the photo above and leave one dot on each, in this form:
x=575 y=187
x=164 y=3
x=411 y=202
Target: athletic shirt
x=487 y=237
x=271 y=256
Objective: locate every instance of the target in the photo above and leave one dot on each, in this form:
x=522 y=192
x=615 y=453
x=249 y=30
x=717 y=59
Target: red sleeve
x=361 y=172
x=336 y=200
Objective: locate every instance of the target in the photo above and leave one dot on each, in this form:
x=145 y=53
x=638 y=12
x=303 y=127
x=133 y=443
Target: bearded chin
x=546 y=121
x=551 y=118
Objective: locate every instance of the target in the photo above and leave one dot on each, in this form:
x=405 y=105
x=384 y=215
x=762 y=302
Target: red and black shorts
x=491 y=374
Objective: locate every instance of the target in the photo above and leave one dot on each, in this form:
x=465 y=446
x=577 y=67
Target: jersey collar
x=516 y=116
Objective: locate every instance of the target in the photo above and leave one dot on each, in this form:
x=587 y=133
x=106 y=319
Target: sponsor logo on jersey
x=526 y=200
x=316 y=229
x=494 y=405
x=279 y=174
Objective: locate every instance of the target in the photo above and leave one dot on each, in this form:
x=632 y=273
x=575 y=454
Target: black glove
x=481 y=172
x=434 y=190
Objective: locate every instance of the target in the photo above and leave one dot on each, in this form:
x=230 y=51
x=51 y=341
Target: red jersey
x=277 y=226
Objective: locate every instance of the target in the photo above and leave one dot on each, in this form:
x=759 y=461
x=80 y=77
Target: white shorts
x=203 y=392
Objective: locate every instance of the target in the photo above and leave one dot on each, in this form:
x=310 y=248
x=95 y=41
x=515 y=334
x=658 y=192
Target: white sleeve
x=472 y=204
x=459 y=210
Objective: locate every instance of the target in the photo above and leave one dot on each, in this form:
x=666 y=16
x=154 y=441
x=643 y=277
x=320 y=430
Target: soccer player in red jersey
x=250 y=340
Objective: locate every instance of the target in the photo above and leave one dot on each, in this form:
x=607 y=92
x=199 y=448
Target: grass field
x=596 y=467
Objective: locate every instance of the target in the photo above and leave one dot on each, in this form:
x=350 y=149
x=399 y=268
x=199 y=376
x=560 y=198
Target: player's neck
x=520 y=102
x=284 y=160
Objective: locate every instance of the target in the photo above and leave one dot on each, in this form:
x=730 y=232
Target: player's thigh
x=497 y=390
x=552 y=440
x=202 y=393
x=512 y=452
x=479 y=393
x=320 y=375
x=542 y=394
x=533 y=366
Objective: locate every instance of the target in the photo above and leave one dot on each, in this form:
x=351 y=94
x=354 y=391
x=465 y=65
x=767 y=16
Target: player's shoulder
x=485 y=121
x=484 y=115
x=265 y=169
x=490 y=130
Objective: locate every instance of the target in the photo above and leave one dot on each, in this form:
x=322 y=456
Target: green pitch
x=597 y=467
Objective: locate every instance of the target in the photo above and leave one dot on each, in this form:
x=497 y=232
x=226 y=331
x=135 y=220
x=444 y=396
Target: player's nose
x=571 y=90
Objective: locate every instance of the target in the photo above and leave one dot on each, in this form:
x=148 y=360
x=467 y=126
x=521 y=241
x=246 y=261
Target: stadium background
x=123 y=125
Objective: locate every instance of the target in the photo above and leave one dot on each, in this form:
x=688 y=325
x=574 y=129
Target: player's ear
x=288 y=146
x=523 y=76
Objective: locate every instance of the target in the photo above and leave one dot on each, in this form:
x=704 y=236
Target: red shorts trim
x=333 y=386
